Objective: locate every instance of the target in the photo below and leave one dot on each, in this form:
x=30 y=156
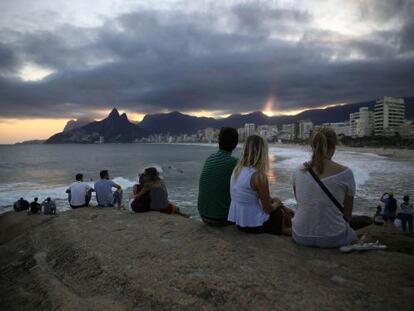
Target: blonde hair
x=323 y=142
x=255 y=154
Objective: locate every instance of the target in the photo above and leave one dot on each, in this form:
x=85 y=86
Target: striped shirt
x=214 y=189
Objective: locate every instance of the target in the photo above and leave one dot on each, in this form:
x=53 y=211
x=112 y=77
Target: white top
x=316 y=214
x=245 y=207
x=406 y=208
x=78 y=190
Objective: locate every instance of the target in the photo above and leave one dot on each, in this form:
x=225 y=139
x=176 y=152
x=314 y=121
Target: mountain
x=115 y=128
x=178 y=123
x=72 y=124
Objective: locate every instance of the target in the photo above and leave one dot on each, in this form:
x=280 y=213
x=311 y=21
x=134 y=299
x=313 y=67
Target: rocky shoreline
x=103 y=259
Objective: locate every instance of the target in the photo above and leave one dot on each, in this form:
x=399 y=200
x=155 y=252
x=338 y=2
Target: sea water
x=43 y=171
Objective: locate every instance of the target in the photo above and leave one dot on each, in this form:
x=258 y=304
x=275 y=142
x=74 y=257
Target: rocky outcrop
x=103 y=259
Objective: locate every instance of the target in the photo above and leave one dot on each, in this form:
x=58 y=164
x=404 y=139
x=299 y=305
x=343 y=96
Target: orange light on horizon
x=15 y=130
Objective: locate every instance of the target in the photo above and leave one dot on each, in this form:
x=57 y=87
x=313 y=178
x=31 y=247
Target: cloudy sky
x=67 y=59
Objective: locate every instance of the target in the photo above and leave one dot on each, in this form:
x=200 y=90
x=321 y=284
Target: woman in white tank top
x=252 y=209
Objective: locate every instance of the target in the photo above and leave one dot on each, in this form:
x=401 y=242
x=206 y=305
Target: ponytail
x=323 y=141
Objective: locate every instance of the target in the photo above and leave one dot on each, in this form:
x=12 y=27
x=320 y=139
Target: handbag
x=328 y=193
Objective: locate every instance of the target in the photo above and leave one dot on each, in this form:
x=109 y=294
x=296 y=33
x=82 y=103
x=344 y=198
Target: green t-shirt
x=214 y=189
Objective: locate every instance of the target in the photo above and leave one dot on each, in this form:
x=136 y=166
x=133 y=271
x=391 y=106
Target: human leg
x=404 y=220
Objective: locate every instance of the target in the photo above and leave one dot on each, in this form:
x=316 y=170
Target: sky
x=62 y=60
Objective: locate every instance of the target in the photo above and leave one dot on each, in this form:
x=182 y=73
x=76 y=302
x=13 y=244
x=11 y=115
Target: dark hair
x=79 y=176
x=379 y=207
x=228 y=138
x=103 y=174
x=48 y=199
x=406 y=198
x=142 y=180
x=152 y=174
x=36 y=199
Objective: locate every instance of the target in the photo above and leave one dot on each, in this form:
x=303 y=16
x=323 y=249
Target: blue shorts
x=116 y=199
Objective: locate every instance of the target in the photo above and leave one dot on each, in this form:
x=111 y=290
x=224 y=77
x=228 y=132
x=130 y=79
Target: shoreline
x=395 y=153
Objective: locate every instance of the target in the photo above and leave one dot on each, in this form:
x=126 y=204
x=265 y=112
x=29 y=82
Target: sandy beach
x=402 y=154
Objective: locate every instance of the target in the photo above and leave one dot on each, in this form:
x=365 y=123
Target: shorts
x=342 y=239
x=215 y=222
x=273 y=225
x=116 y=199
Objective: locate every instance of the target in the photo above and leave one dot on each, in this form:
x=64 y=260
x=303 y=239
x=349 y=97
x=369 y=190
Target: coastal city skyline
x=64 y=61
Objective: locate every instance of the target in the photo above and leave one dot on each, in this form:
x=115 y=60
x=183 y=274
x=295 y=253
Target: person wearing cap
x=390 y=206
x=214 y=187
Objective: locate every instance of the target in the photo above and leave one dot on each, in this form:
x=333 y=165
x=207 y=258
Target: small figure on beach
x=252 y=208
x=214 y=187
x=21 y=205
x=158 y=193
x=104 y=194
x=321 y=219
x=406 y=214
x=35 y=207
x=79 y=193
x=49 y=207
x=390 y=207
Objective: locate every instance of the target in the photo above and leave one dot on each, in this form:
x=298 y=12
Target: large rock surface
x=102 y=259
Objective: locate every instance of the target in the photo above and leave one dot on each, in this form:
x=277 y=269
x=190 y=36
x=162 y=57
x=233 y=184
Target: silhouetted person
x=21 y=205
x=406 y=214
x=49 y=207
x=390 y=207
x=35 y=207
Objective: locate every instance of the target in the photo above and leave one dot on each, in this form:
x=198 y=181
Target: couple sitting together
x=151 y=194
x=237 y=191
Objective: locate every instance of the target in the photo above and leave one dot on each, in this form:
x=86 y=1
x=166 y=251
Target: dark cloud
x=148 y=61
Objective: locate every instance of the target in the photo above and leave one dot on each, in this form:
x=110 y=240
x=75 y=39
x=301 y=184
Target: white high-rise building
x=340 y=128
x=250 y=129
x=362 y=122
x=389 y=115
x=242 y=133
x=305 y=129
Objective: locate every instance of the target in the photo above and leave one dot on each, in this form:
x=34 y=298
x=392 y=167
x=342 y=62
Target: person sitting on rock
x=104 y=194
x=390 y=207
x=143 y=202
x=35 y=207
x=318 y=220
x=80 y=193
x=49 y=207
x=158 y=193
x=21 y=205
x=252 y=208
x=214 y=187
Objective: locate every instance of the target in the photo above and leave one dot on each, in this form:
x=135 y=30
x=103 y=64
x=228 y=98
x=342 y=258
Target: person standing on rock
x=214 y=187
x=406 y=214
x=252 y=208
x=79 y=193
x=104 y=194
x=390 y=206
x=321 y=219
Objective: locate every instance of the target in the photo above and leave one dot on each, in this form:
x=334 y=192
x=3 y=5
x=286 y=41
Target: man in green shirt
x=214 y=189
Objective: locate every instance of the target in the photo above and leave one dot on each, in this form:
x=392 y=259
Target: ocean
x=46 y=171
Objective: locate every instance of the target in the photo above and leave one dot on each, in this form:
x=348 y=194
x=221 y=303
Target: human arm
x=382 y=197
x=115 y=185
x=141 y=193
x=260 y=184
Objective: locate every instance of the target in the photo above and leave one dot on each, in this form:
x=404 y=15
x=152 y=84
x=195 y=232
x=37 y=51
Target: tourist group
x=236 y=192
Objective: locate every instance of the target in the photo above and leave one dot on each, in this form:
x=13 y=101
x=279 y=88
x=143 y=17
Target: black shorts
x=273 y=225
x=215 y=222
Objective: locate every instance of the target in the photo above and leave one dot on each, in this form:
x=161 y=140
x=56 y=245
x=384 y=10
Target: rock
x=359 y=221
x=103 y=259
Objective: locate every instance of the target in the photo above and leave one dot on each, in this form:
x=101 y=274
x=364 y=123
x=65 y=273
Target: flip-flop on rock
x=362 y=247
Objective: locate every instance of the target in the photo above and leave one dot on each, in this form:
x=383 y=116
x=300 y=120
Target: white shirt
x=78 y=192
x=245 y=207
x=316 y=214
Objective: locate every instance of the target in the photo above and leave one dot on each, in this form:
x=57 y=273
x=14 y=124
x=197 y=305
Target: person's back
x=104 y=194
x=318 y=220
x=159 y=197
x=35 y=207
x=317 y=215
x=245 y=208
x=49 y=207
x=79 y=193
x=214 y=187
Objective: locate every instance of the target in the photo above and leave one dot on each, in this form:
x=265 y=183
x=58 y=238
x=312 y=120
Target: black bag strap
x=326 y=190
